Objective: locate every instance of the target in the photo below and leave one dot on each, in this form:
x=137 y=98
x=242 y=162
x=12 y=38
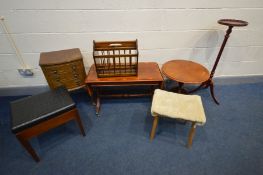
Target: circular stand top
x=185 y=71
x=232 y=22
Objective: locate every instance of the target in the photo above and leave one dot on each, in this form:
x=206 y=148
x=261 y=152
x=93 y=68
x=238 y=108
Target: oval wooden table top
x=185 y=71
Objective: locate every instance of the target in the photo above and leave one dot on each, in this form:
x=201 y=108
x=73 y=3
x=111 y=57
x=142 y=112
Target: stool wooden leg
x=155 y=123
x=191 y=135
x=24 y=142
x=80 y=124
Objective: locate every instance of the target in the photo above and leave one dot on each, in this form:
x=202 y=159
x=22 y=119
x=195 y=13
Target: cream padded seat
x=174 y=105
x=177 y=106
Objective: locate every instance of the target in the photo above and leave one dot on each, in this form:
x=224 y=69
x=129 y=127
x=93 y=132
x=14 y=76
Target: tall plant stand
x=230 y=23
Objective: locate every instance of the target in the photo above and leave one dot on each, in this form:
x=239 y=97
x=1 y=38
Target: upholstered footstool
x=37 y=114
x=177 y=106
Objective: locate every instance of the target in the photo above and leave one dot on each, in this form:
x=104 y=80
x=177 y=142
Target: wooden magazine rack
x=115 y=58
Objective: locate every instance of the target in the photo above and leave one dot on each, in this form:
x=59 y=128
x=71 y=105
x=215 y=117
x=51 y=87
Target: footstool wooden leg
x=191 y=135
x=24 y=142
x=155 y=123
x=80 y=124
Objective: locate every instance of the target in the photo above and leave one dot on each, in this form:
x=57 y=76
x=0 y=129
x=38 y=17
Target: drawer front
x=72 y=75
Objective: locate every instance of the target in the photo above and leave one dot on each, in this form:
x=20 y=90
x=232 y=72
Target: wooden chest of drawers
x=64 y=67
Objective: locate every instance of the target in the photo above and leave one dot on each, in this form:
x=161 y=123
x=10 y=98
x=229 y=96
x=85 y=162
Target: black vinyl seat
x=29 y=111
x=37 y=114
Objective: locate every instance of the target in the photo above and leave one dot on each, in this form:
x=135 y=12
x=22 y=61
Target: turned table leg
x=97 y=102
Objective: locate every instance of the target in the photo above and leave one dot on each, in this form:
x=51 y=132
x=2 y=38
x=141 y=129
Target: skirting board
x=31 y=90
x=25 y=90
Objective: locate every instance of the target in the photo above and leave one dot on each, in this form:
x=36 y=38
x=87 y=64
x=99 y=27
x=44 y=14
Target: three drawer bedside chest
x=63 y=68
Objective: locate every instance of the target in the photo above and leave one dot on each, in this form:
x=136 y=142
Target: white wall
x=166 y=29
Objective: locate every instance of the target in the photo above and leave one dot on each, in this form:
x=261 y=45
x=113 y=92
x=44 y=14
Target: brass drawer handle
x=74 y=67
x=78 y=83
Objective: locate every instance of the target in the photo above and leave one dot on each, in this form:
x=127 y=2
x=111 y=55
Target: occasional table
x=188 y=72
x=149 y=75
x=185 y=71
